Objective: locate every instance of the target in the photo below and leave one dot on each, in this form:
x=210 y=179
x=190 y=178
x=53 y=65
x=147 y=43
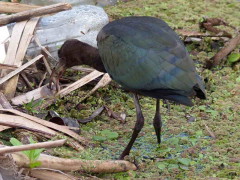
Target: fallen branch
x=45 y=51
x=7 y=7
x=18 y=70
x=50 y=144
x=8 y=66
x=63 y=129
x=90 y=166
x=228 y=47
x=21 y=16
x=22 y=122
x=187 y=33
x=16 y=35
x=43 y=78
x=103 y=82
x=48 y=68
x=209 y=24
x=26 y=81
x=81 y=82
x=42 y=92
x=86 y=79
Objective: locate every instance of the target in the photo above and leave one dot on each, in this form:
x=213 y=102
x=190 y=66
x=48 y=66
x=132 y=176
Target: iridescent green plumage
x=144 y=54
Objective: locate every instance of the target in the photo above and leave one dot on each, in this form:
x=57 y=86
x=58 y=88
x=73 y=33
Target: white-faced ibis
x=145 y=56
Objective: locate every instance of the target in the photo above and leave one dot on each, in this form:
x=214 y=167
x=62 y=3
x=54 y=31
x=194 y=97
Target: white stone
x=81 y=22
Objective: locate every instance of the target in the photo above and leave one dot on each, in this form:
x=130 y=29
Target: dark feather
x=144 y=54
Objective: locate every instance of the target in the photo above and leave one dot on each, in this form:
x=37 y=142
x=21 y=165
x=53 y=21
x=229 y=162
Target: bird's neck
x=93 y=60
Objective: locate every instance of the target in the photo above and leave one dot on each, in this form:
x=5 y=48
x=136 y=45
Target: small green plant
x=30 y=107
x=105 y=135
x=178 y=163
x=32 y=155
x=234 y=57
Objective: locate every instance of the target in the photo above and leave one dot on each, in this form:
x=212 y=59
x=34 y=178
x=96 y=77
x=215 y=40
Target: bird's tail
x=169 y=94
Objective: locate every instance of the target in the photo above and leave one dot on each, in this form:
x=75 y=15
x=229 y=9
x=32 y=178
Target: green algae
x=179 y=13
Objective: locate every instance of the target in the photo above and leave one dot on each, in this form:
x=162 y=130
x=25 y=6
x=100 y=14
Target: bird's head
x=75 y=53
x=69 y=55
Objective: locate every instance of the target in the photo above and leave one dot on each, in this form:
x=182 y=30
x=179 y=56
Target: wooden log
x=7 y=7
x=25 y=15
x=90 y=166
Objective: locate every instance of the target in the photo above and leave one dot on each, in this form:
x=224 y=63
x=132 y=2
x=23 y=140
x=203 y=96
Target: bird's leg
x=137 y=128
x=157 y=122
x=56 y=74
x=54 y=79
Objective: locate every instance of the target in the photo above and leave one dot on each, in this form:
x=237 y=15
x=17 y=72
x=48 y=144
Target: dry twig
x=25 y=15
x=49 y=144
x=63 y=129
x=86 y=79
x=20 y=39
x=229 y=47
x=209 y=24
x=102 y=83
x=18 y=70
x=45 y=51
x=186 y=33
x=23 y=122
x=7 y=7
x=26 y=81
x=43 y=78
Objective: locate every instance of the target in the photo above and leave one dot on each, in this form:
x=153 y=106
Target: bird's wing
x=146 y=56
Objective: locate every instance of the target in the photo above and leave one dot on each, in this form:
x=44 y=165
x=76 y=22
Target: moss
x=179 y=13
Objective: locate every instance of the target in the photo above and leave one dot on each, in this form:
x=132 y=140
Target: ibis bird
x=145 y=56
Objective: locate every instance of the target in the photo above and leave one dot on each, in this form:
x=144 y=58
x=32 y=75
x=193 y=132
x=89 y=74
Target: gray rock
x=82 y=23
